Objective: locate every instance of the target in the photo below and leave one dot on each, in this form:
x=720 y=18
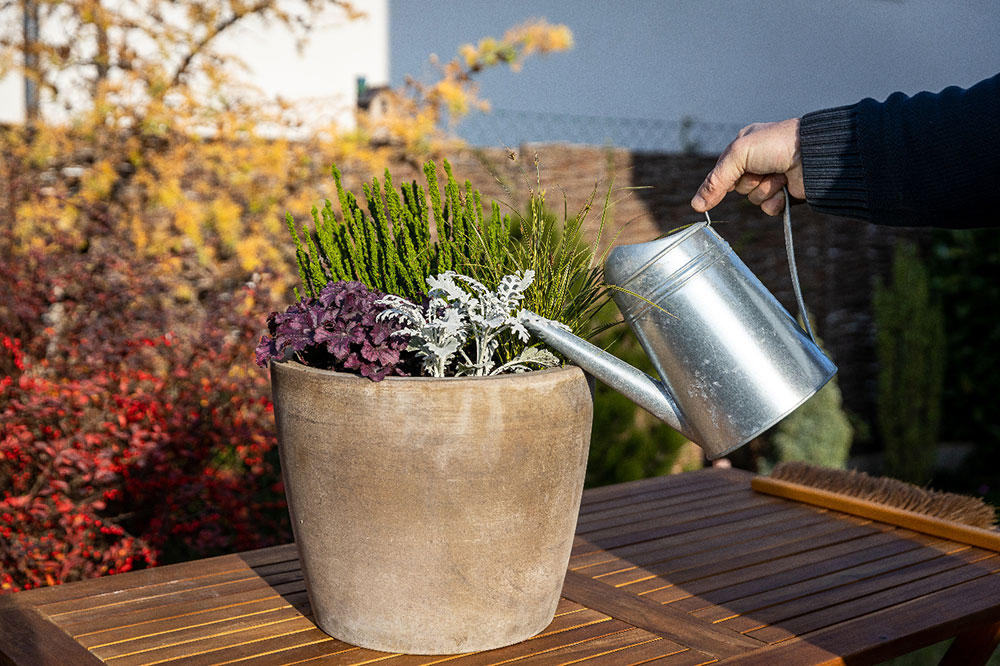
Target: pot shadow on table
x=704 y=551
x=281 y=571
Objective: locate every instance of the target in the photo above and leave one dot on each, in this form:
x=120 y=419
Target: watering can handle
x=790 y=249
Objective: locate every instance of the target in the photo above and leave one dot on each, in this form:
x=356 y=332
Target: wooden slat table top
x=674 y=571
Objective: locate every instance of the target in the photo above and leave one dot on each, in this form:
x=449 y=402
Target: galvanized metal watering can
x=732 y=361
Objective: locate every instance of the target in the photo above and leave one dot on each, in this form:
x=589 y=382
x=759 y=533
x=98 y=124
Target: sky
x=716 y=61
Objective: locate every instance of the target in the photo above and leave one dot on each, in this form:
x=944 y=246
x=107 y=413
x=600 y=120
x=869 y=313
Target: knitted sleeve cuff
x=831 y=164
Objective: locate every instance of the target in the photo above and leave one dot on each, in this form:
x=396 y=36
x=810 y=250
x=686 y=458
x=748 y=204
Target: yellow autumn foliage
x=97 y=182
x=256 y=253
x=185 y=174
x=226 y=216
x=412 y=128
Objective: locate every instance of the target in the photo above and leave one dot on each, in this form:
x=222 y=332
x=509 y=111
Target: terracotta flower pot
x=433 y=516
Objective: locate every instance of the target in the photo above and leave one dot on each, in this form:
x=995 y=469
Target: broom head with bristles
x=952 y=507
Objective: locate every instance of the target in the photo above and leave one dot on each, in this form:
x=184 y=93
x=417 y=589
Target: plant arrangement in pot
x=433 y=454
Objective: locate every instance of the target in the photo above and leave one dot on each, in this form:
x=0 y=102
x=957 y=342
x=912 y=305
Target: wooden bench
x=673 y=571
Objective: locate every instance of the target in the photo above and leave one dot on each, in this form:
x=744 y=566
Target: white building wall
x=321 y=80
x=11 y=99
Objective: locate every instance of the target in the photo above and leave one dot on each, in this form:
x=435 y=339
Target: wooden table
x=677 y=571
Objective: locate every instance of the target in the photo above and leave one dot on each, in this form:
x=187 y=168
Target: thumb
x=720 y=180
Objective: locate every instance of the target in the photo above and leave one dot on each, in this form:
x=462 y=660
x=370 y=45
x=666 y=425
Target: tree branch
x=212 y=34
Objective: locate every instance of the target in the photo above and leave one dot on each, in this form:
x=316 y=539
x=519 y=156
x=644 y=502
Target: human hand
x=762 y=159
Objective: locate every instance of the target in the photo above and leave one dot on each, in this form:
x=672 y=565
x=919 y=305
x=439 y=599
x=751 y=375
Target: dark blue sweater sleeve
x=932 y=159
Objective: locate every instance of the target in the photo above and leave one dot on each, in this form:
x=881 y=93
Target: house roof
x=368 y=94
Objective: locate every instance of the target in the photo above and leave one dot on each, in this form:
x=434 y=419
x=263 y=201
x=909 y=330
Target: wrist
x=832 y=171
x=796 y=187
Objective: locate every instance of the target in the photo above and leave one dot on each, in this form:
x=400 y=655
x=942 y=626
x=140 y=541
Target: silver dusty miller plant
x=457 y=333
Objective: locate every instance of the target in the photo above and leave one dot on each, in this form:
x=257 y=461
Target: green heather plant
x=388 y=246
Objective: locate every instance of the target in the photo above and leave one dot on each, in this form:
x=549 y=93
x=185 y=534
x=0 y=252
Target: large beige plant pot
x=433 y=516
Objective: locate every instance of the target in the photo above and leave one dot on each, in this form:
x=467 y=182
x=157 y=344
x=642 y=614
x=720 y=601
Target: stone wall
x=838 y=259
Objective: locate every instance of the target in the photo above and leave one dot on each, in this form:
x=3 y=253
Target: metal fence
x=512 y=127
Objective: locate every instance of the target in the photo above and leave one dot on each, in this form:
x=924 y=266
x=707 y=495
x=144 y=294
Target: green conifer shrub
x=819 y=432
x=963 y=266
x=910 y=347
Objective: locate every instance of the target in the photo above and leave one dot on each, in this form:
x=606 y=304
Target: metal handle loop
x=790 y=249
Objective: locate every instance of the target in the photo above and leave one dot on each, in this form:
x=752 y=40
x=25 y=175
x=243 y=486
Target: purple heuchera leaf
x=381 y=330
x=373 y=371
x=267 y=349
x=299 y=325
x=338 y=330
x=382 y=354
x=339 y=336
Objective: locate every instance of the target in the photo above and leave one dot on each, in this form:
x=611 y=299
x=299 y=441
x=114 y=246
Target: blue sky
x=713 y=60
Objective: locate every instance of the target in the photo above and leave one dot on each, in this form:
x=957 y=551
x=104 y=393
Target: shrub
x=818 y=432
x=962 y=267
x=54 y=485
x=127 y=469
x=117 y=452
x=910 y=347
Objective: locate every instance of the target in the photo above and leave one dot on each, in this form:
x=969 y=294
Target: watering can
x=731 y=361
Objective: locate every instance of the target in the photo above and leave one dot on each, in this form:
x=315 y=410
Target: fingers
x=759 y=162
x=774 y=205
x=767 y=188
x=748 y=182
x=760 y=189
x=720 y=180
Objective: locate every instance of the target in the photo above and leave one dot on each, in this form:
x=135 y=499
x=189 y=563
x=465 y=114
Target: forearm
x=926 y=160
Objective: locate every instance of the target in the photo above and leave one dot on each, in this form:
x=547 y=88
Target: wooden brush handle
x=918 y=522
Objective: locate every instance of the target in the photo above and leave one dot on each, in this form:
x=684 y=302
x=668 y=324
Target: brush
x=948 y=515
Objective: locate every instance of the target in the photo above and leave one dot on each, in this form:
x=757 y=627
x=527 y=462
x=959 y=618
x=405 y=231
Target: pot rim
x=348 y=376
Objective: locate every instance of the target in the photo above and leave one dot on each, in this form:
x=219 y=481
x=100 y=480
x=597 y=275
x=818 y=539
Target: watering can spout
x=643 y=390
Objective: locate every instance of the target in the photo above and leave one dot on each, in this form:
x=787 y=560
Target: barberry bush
x=123 y=446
